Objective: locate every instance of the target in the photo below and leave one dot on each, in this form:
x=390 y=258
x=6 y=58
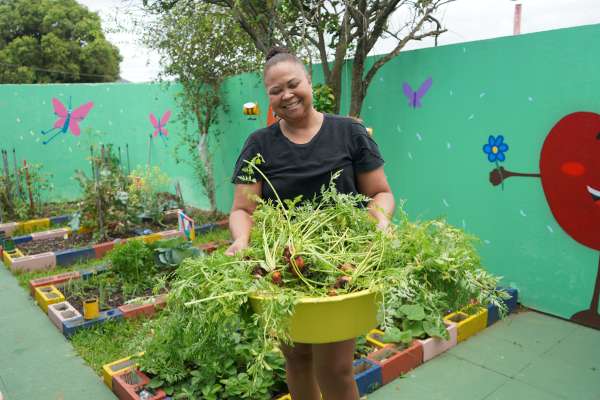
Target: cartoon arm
x=498 y=175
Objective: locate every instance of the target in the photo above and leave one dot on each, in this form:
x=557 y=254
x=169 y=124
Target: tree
x=333 y=29
x=44 y=41
x=200 y=45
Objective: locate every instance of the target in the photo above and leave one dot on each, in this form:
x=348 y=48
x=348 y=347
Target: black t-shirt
x=302 y=169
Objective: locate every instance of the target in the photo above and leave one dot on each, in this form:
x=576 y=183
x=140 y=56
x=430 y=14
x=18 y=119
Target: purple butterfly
x=414 y=98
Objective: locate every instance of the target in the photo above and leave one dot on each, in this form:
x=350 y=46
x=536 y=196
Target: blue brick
x=59 y=220
x=493 y=314
x=511 y=303
x=71 y=327
x=22 y=239
x=369 y=380
x=89 y=272
x=72 y=256
x=205 y=228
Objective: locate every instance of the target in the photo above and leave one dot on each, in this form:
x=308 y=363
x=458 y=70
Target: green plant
x=323 y=98
x=363 y=348
x=145 y=193
x=23 y=192
x=411 y=322
x=170 y=253
x=133 y=263
x=105 y=207
x=325 y=246
x=108 y=342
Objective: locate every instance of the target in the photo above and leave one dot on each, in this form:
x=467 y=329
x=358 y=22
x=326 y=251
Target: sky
x=466 y=20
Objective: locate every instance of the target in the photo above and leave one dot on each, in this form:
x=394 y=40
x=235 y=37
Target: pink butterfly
x=159 y=125
x=68 y=119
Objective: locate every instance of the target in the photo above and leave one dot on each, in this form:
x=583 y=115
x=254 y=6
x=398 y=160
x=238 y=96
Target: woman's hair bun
x=275 y=50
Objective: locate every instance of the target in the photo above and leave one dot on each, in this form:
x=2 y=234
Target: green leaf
x=414 y=312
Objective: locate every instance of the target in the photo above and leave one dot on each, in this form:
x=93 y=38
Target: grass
x=113 y=340
x=215 y=235
x=24 y=277
x=108 y=342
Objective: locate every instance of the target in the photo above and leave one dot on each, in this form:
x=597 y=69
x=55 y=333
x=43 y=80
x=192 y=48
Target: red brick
x=101 y=249
x=52 y=280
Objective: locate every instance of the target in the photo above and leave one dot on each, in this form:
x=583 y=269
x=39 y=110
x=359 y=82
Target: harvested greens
x=210 y=344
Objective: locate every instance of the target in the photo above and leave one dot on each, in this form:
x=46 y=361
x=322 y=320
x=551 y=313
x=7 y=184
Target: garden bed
x=107 y=289
x=83 y=240
x=55 y=244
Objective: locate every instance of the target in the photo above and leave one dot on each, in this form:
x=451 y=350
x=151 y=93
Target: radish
x=342 y=282
x=299 y=262
x=276 y=278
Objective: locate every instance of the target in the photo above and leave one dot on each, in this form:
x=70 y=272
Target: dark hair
x=278 y=54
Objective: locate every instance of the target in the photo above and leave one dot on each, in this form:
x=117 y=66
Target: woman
x=301 y=152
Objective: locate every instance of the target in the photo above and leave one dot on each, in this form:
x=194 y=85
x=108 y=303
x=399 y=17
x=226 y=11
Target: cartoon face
x=570 y=171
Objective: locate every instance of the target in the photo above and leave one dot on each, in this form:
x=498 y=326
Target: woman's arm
x=374 y=184
x=240 y=217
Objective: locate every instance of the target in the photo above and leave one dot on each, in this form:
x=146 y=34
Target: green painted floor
x=528 y=356
x=36 y=361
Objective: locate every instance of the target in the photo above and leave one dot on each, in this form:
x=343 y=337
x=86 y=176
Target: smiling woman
x=301 y=153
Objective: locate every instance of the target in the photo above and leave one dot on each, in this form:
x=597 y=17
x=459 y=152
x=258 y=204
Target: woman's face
x=289 y=90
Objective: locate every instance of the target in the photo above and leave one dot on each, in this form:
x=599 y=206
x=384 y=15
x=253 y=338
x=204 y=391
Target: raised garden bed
x=56 y=243
x=468 y=322
x=396 y=359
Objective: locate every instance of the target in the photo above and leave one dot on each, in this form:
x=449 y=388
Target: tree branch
x=411 y=36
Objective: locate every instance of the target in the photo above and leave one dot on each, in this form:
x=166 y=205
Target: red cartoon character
x=570 y=174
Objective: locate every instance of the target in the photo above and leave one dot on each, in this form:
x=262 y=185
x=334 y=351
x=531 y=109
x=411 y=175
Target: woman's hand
x=237 y=246
x=383 y=224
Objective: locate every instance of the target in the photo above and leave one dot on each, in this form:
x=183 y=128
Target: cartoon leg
x=55 y=135
x=591 y=317
x=48 y=131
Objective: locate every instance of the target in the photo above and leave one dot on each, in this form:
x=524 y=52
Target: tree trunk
x=358 y=91
x=333 y=76
x=208 y=178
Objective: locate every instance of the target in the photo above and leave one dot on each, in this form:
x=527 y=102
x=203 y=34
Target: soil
x=362 y=367
x=386 y=353
x=55 y=244
x=81 y=240
x=112 y=298
x=459 y=317
x=201 y=217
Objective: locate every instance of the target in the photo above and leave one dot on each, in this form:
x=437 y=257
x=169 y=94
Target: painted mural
x=570 y=177
x=492 y=107
x=68 y=119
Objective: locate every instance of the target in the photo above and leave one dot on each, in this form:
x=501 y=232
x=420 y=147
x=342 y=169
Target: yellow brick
x=468 y=325
x=153 y=237
x=371 y=338
x=34 y=225
x=8 y=257
x=117 y=367
x=46 y=295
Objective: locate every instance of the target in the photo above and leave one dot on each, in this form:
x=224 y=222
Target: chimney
x=517 y=22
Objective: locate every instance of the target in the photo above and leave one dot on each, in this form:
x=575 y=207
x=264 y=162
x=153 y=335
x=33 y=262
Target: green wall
x=518 y=87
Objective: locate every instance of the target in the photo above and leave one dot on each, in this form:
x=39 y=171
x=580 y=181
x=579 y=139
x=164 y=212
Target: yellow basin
x=330 y=319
